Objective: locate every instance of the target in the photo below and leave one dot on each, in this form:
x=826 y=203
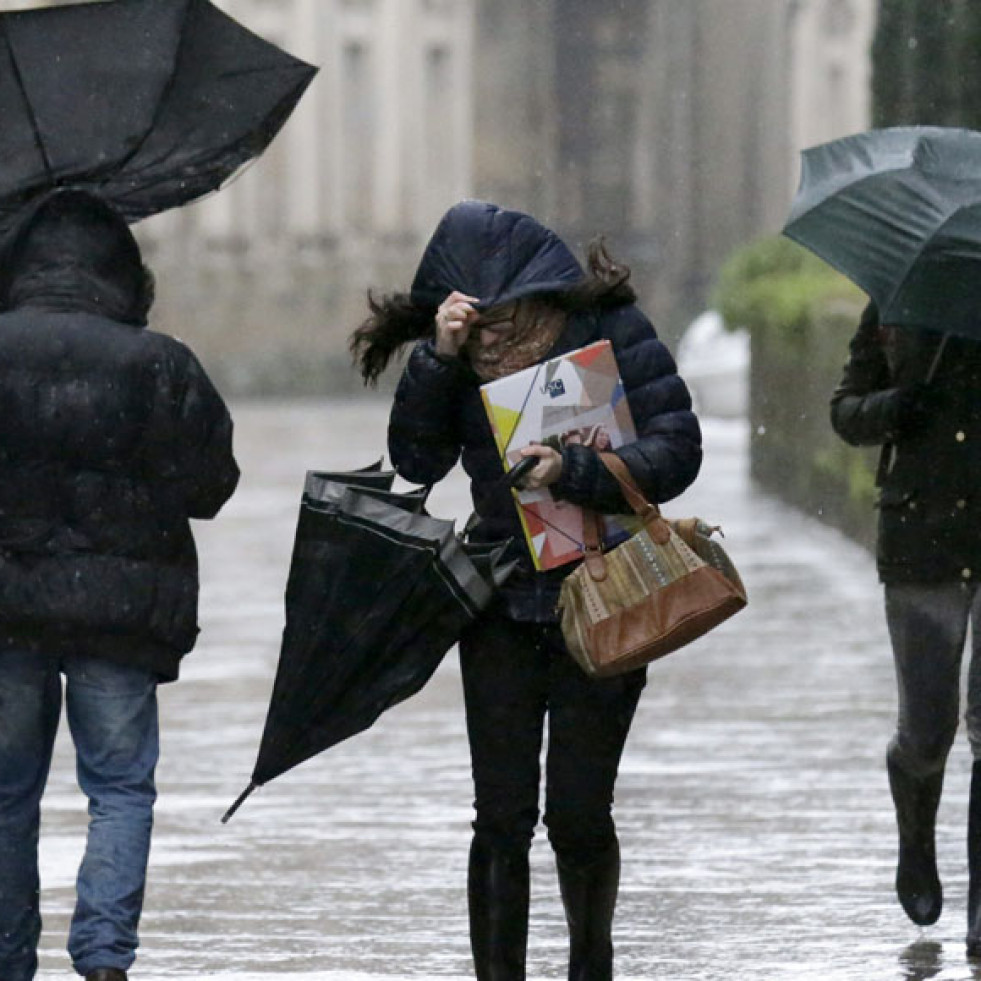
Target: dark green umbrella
x=898 y=211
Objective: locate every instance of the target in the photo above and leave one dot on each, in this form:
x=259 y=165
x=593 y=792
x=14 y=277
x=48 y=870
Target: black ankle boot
x=106 y=974
x=497 y=892
x=589 y=895
x=917 y=881
x=974 y=865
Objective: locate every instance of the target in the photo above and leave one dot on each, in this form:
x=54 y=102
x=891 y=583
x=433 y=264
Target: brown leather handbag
x=668 y=584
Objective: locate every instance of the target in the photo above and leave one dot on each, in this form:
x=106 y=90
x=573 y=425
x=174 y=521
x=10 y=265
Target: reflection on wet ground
x=753 y=808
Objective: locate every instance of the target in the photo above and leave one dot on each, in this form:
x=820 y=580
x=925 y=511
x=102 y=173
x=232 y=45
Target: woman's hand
x=548 y=469
x=454 y=318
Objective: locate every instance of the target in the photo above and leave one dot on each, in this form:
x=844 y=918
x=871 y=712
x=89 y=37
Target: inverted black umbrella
x=147 y=103
x=378 y=592
x=898 y=211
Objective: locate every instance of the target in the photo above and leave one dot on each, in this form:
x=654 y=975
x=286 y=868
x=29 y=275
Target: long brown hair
x=395 y=320
x=605 y=285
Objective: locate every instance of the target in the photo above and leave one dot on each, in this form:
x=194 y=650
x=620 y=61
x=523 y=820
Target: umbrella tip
x=239 y=802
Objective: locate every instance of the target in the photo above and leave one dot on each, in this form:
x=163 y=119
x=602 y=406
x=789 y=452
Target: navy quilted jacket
x=438 y=417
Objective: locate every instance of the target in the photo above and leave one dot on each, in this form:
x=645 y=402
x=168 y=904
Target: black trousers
x=514 y=676
x=928 y=627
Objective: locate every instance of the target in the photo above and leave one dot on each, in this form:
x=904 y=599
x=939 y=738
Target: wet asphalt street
x=753 y=808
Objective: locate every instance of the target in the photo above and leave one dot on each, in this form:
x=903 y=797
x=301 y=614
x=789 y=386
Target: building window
x=838 y=102
x=439 y=144
x=840 y=18
x=358 y=134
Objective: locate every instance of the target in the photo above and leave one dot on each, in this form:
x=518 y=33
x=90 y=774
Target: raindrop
x=913 y=43
x=761 y=431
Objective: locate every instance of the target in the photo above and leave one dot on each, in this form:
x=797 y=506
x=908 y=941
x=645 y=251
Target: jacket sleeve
x=192 y=449
x=865 y=406
x=667 y=454
x=424 y=430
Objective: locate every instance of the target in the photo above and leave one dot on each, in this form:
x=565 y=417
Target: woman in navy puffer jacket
x=495 y=292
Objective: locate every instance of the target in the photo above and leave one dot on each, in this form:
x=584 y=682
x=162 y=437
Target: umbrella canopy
x=378 y=592
x=147 y=103
x=898 y=211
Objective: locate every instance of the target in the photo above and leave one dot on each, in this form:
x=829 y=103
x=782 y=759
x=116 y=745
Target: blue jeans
x=112 y=714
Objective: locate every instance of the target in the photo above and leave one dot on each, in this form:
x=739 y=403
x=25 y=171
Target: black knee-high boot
x=589 y=895
x=498 y=892
x=917 y=880
x=974 y=865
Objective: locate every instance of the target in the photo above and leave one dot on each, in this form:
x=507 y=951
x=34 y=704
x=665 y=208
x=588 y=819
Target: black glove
x=917 y=406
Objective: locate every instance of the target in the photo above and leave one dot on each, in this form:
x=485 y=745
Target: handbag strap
x=592 y=545
x=592 y=523
x=634 y=495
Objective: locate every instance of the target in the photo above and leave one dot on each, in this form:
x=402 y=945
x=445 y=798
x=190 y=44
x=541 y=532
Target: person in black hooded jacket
x=495 y=292
x=111 y=438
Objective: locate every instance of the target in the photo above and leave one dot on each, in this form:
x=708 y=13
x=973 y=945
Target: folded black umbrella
x=378 y=592
x=147 y=103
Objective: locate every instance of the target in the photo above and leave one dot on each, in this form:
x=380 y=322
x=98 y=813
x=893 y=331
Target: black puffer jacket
x=438 y=414
x=111 y=438
x=929 y=473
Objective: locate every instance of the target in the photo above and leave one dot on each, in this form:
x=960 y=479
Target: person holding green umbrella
x=929 y=559
x=899 y=212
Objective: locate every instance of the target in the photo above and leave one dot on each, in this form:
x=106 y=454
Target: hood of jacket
x=493 y=254
x=70 y=250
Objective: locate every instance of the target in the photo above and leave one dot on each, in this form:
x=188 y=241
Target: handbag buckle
x=594 y=562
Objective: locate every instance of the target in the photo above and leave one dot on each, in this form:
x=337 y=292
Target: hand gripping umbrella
x=898 y=211
x=378 y=592
x=147 y=103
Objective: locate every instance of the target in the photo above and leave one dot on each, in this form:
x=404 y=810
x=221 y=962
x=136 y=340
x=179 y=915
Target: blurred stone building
x=671 y=127
x=268 y=277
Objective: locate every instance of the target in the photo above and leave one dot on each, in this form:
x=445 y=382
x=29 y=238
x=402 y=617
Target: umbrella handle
x=941 y=347
x=517 y=473
x=936 y=358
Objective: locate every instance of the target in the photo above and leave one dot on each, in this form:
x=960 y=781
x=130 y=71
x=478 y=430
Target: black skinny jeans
x=513 y=674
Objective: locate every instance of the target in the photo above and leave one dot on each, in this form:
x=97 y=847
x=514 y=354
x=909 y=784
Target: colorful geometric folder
x=576 y=397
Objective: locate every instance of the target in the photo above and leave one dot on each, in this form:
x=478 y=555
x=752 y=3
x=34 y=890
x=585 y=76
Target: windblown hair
x=396 y=321
x=605 y=285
